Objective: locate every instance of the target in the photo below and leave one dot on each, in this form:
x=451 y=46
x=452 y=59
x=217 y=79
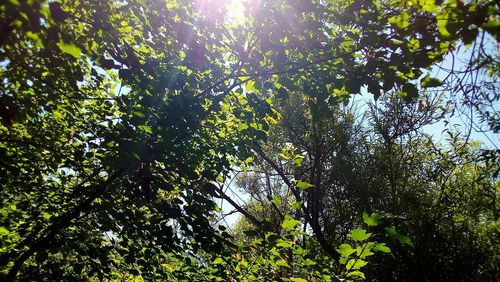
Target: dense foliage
x=121 y=122
x=442 y=197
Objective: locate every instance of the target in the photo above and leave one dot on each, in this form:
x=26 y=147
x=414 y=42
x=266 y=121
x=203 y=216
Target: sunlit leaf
x=282 y=263
x=359 y=234
x=70 y=48
x=3 y=231
x=371 y=220
x=381 y=247
x=356 y=264
x=298 y=279
x=345 y=250
x=302 y=184
x=356 y=274
x=277 y=201
x=289 y=223
x=218 y=261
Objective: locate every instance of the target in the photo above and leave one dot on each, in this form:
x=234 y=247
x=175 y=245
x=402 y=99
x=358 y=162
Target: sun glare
x=236 y=10
x=229 y=11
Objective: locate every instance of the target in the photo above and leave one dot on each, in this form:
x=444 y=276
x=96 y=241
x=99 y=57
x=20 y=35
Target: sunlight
x=236 y=10
x=229 y=11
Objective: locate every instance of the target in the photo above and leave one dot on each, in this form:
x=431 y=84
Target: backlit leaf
x=70 y=48
x=359 y=234
x=371 y=220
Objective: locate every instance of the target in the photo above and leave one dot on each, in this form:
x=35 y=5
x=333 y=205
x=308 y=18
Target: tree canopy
x=123 y=122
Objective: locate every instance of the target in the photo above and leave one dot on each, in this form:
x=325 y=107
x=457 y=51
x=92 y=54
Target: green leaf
x=401 y=20
x=282 y=263
x=139 y=114
x=309 y=262
x=277 y=201
x=365 y=250
x=220 y=178
x=302 y=184
x=250 y=86
x=296 y=279
x=493 y=24
x=125 y=29
x=284 y=244
x=359 y=234
x=442 y=22
x=35 y=38
x=145 y=128
x=297 y=159
x=428 y=81
x=242 y=126
x=391 y=231
x=356 y=264
x=345 y=250
x=350 y=264
x=57 y=114
x=218 y=261
x=70 y=48
x=3 y=231
x=356 y=273
x=371 y=220
x=289 y=223
x=429 y=6
x=381 y=247
x=297 y=205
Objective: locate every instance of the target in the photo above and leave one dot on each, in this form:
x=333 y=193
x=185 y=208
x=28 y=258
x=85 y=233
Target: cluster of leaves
x=117 y=119
x=447 y=199
x=105 y=133
x=284 y=256
x=442 y=196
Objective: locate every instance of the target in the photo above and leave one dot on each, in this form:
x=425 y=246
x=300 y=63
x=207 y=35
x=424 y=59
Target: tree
x=119 y=117
x=388 y=165
x=102 y=119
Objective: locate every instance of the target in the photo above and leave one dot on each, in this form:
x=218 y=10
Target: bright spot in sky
x=227 y=10
x=236 y=10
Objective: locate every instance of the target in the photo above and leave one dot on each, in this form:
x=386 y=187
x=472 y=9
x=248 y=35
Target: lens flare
x=227 y=10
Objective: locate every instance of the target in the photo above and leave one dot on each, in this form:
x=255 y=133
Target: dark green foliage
x=118 y=119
